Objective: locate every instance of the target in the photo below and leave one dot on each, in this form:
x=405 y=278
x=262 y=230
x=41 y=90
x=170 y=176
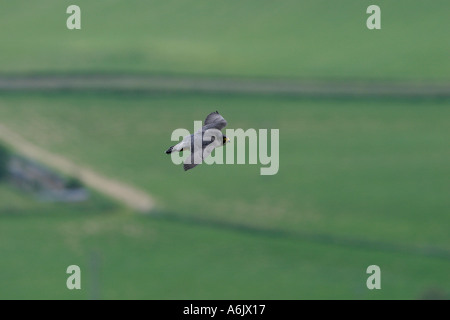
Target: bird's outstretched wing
x=199 y=154
x=194 y=159
x=189 y=162
x=203 y=149
x=215 y=120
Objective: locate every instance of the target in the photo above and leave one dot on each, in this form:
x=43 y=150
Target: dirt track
x=130 y=196
x=192 y=84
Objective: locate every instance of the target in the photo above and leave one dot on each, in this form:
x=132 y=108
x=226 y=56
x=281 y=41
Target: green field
x=354 y=168
x=304 y=39
x=147 y=258
x=142 y=258
x=360 y=183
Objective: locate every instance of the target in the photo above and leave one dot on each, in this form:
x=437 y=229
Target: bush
x=74 y=184
x=4 y=159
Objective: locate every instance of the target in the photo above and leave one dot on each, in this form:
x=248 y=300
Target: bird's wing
x=194 y=159
x=215 y=120
x=196 y=156
x=189 y=162
x=199 y=154
x=203 y=149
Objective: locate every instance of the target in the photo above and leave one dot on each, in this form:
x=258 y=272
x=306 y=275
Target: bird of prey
x=202 y=142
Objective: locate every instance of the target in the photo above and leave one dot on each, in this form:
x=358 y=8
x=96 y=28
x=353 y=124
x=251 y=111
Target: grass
x=252 y=38
x=360 y=183
x=139 y=257
x=373 y=170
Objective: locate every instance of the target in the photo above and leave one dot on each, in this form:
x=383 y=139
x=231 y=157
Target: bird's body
x=202 y=142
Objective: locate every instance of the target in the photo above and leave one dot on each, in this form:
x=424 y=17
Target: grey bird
x=202 y=142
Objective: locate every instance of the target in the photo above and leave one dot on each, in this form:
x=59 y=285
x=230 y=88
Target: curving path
x=133 y=198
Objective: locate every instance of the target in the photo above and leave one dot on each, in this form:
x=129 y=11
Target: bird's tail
x=169 y=151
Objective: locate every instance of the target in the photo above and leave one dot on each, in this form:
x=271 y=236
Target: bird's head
x=225 y=139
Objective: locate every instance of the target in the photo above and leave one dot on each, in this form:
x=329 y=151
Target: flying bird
x=202 y=142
